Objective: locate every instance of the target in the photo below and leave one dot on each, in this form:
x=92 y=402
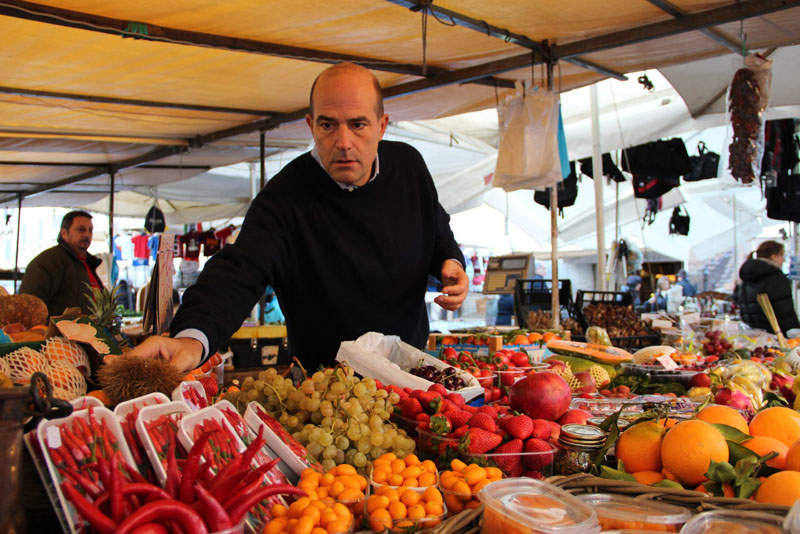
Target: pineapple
x=565 y=372
x=600 y=376
x=103 y=306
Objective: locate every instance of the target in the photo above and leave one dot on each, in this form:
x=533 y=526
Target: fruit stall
x=523 y=431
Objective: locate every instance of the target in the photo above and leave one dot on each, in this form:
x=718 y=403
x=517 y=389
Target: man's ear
x=310 y=122
x=63 y=234
x=384 y=122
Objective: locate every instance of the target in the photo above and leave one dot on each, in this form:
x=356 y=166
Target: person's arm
x=447 y=263
x=40 y=282
x=226 y=290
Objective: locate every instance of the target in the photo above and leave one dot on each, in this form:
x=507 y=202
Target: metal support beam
x=63 y=164
x=81 y=136
x=111 y=183
x=695 y=21
x=18 y=91
x=482 y=26
x=262 y=156
x=675 y=11
x=152 y=32
x=19 y=230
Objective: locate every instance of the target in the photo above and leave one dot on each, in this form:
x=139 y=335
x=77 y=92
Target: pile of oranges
x=461 y=485
x=310 y=516
x=409 y=472
x=343 y=483
x=404 y=508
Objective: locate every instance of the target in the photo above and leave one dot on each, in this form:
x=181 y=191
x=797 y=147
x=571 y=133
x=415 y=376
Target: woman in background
x=762 y=274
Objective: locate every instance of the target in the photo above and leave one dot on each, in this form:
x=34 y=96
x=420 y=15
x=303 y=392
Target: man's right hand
x=184 y=353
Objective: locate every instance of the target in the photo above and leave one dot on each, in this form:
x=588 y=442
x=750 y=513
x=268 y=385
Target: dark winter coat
x=59 y=278
x=759 y=276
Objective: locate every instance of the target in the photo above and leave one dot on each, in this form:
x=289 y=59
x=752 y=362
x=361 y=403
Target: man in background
x=62 y=275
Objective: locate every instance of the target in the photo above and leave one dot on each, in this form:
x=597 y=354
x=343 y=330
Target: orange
x=345 y=469
x=376 y=502
x=380 y=475
x=434 y=508
x=397 y=510
x=100 y=395
x=454 y=503
x=457 y=465
x=688 y=449
x=778 y=422
x=410 y=497
x=426 y=479
x=762 y=445
x=410 y=483
x=416 y=511
x=723 y=415
x=781 y=488
x=432 y=495
x=462 y=489
x=793 y=457
x=727 y=490
x=398 y=466
x=412 y=459
x=639 y=447
x=428 y=466
x=493 y=473
x=648 y=477
x=380 y=520
x=395 y=480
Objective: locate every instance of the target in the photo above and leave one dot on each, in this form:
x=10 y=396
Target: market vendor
x=762 y=273
x=346 y=234
x=62 y=275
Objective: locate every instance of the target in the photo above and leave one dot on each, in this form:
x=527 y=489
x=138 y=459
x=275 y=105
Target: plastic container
x=151 y=399
x=290 y=451
x=187 y=424
x=528 y=506
x=733 y=522
x=84 y=402
x=792 y=522
x=148 y=414
x=246 y=434
x=192 y=393
x=539 y=463
x=426 y=524
x=617 y=512
x=507 y=378
x=49 y=435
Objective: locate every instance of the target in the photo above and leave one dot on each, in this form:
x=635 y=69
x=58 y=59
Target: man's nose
x=343 y=138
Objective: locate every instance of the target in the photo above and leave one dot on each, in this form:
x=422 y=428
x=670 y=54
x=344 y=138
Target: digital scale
x=502 y=273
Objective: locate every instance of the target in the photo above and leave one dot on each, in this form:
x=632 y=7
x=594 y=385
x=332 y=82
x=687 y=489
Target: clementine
x=688 y=449
x=648 y=477
x=639 y=447
x=762 y=445
x=723 y=415
x=778 y=422
x=782 y=488
x=793 y=457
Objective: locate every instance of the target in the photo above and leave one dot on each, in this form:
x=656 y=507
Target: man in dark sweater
x=346 y=234
x=61 y=275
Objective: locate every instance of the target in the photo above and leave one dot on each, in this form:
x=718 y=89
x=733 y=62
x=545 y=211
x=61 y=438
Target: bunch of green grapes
x=267 y=389
x=340 y=418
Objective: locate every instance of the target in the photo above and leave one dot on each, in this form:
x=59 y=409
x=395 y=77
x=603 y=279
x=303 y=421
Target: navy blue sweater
x=342 y=262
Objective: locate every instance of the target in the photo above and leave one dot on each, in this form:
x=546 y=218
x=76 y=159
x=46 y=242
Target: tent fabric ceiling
x=46 y=57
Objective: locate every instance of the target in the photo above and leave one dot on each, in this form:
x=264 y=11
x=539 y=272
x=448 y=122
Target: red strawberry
x=460 y=431
x=423 y=417
x=519 y=426
x=542 y=454
x=489 y=410
x=459 y=418
x=456 y=399
x=480 y=441
x=438 y=388
x=544 y=429
x=410 y=407
x=441 y=425
x=484 y=421
x=470 y=409
x=511 y=465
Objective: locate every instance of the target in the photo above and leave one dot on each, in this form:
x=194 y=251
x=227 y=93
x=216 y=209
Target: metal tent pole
x=555 y=305
x=597 y=171
x=262 y=302
x=112 y=177
x=19 y=229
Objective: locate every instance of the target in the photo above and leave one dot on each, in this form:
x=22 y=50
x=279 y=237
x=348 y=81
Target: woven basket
x=697 y=502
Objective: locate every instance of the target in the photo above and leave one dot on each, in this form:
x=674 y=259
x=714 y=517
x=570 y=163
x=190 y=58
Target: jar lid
x=583 y=433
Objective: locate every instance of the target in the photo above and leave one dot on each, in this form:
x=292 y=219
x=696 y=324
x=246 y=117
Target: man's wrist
x=197 y=335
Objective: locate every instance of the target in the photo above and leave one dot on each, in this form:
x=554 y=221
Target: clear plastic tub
x=792 y=522
x=192 y=393
x=733 y=522
x=618 y=512
x=84 y=402
x=426 y=524
x=151 y=399
x=188 y=423
x=536 y=464
x=148 y=414
x=290 y=451
x=528 y=506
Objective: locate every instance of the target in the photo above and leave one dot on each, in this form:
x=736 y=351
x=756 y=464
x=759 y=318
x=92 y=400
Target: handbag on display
x=609 y=168
x=653 y=186
x=154 y=220
x=658 y=158
x=567 y=191
x=704 y=165
x=679 y=222
x=783 y=200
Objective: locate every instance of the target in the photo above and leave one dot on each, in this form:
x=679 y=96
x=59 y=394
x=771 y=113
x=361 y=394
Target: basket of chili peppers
x=157 y=428
x=192 y=393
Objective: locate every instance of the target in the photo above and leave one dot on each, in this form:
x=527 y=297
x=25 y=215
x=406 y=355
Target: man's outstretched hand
x=184 y=353
x=455 y=285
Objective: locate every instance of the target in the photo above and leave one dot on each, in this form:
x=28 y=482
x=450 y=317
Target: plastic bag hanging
x=528 y=153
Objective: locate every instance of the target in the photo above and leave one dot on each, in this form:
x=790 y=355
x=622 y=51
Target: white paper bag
x=527 y=155
x=387 y=358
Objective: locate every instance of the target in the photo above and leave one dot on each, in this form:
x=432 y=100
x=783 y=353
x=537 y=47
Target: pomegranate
x=541 y=396
x=578 y=417
x=734 y=399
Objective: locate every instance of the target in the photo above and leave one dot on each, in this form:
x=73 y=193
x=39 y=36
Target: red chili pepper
x=190 y=469
x=133 y=445
x=189 y=521
x=248 y=501
x=99 y=521
x=114 y=491
x=92 y=489
x=133 y=474
x=173 y=475
x=204 y=474
x=74 y=447
x=212 y=511
x=109 y=443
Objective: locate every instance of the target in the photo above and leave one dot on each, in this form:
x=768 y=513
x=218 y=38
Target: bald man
x=347 y=234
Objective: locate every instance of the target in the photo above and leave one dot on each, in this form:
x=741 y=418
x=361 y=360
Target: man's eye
x=359 y=125
x=326 y=125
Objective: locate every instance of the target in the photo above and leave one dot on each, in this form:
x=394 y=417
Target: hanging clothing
x=141 y=254
x=191 y=245
x=152 y=244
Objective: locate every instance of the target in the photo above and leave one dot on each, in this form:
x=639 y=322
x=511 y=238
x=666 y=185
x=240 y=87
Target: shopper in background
x=62 y=275
x=688 y=288
x=658 y=300
x=762 y=273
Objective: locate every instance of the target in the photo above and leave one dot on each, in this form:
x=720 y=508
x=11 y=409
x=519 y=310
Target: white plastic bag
x=386 y=358
x=527 y=155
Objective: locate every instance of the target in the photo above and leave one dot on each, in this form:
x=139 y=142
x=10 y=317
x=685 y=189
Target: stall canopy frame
x=584 y=51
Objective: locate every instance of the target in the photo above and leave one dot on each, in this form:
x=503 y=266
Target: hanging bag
x=704 y=165
x=154 y=220
x=783 y=201
x=528 y=152
x=679 y=222
x=567 y=191
x=653 y=186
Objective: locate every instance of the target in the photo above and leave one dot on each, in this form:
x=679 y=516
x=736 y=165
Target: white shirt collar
x=346 y=187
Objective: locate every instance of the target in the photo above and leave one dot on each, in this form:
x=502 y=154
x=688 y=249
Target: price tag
x=667 y=362
x=53 y=437
x=660 y=323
